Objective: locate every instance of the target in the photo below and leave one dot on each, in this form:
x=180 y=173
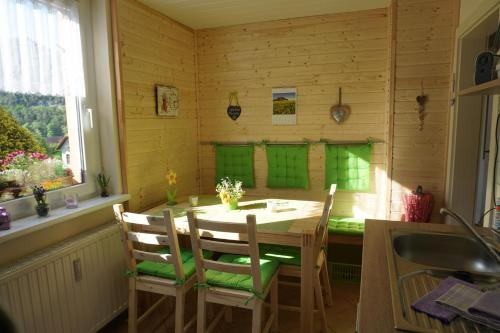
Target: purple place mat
x=427 y=304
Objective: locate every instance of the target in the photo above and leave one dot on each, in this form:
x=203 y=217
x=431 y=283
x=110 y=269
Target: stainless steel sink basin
x=418 y=260
x=445 y=250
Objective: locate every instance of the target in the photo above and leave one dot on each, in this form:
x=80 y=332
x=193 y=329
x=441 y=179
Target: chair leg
x=319 y=302
x=326 y=285
x=200 y=326
x=274 y=304
x=210 y=311
x=132 y=306
x=257 y=316
x=179 y=310
x=228 y=314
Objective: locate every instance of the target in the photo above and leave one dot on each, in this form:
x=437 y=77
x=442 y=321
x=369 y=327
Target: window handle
x=91 y=117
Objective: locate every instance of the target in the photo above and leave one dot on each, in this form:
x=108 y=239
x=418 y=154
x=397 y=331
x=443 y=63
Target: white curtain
x=41 y=48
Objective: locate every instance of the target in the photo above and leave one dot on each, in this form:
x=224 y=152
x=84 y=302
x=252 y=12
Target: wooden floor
x=341 y=316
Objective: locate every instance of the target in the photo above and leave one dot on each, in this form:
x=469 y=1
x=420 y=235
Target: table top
x=291 y=218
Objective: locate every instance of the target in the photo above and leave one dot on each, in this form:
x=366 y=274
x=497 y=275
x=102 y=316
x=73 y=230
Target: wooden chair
x=249 y=294
x=321 y=278
x=158 y=231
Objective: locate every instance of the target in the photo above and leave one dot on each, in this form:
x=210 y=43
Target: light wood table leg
x=306 y=283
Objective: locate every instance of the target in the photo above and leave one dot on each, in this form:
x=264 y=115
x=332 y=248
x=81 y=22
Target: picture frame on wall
x=284 y=106
x=167 y=101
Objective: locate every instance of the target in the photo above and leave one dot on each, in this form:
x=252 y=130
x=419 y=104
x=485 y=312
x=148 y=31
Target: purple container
x=4 y=219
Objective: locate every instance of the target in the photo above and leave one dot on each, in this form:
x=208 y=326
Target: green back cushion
x=348 y=166
x=346 y=226
x=167 y=270
x=287 y=255
x=235 y=162
x=241 y=281
x=287 y=166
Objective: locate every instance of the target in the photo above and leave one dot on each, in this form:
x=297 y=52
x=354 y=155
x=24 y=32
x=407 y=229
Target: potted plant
x=42 y=207
x=103 y=182
x=229 y=192
x=171 y=177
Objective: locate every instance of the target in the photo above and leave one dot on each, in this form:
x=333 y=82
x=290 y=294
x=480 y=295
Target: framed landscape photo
x=167 y=101
x=284 y=106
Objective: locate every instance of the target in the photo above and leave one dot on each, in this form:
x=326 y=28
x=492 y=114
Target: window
x=46 y=87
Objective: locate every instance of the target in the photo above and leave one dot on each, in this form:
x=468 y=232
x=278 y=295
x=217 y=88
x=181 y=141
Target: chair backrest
x=321 y=231
x=154 y=230
x=250 y=248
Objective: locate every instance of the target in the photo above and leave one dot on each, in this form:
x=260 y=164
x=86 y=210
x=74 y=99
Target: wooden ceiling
x=200 y=14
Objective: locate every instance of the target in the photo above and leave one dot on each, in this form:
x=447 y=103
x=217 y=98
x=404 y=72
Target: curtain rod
x=321 y=141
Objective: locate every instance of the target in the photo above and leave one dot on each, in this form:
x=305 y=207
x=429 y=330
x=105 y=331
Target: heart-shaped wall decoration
x=234 y=111
x=340 y=114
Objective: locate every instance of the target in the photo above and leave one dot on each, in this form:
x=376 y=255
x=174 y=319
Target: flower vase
x=171 y=196
x=231 y=204
x=42 y=210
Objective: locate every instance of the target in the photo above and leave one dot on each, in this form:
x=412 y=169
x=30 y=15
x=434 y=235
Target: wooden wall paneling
x=198 y=130
x=119 y=94
x=153 y=49
x=390 y=86
x=423 y=55
x=379 y=57
x=316 y=55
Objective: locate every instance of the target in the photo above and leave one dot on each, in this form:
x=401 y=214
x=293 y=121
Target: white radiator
x=75 y=286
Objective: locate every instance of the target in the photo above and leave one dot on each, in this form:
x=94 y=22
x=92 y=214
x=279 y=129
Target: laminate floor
x=341 y=316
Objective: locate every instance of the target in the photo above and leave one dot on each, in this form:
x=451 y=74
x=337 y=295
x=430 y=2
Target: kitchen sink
x=418 y=260
x=445 y=251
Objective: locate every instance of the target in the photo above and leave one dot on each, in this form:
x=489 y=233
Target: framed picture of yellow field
x=167 y=101
x=284 y=106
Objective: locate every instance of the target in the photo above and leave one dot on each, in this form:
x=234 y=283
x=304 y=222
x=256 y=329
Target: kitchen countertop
x=375 y=309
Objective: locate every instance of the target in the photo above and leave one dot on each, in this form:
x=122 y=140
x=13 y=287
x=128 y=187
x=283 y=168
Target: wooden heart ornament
x=234 y=108
x=340 y=112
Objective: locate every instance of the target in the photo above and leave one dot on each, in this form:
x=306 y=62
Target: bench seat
x=346 y=230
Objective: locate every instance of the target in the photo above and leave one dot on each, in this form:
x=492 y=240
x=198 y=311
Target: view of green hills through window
x=34 y=145
x=43 y=116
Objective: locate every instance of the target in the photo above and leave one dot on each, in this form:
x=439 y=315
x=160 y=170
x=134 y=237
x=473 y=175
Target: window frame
x=88 y=128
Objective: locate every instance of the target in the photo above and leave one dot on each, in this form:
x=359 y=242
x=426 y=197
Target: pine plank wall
x=424 y=52
x=156 y=50
x=358 y=51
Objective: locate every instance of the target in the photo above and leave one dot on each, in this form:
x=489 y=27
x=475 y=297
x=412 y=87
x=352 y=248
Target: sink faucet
x=458 y=218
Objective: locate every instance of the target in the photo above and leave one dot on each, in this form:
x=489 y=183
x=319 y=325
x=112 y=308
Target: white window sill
x=31 y=224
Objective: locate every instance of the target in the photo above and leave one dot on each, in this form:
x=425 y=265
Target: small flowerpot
x=42 y=210
x=231 y=205
x=171 y=203
x=104 y=194
x=16 y=191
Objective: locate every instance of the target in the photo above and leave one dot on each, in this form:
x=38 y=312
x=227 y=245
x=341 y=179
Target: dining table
x=279 y=221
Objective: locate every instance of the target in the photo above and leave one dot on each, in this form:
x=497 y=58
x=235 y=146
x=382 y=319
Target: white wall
x=467 y=7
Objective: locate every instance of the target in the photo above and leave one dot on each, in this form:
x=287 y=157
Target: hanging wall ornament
x=234 y=108
x=340 y=112
x=421 y=100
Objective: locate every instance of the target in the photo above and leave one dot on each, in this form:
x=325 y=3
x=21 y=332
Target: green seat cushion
x=168 y=270
x=236 y=163
x=287 y=255
x=348 y=166
x=241 y=281
x=346 y=226
x=287 y=166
